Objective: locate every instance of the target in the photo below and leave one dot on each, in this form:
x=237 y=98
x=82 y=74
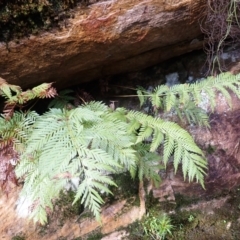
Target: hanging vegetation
x=221 y=26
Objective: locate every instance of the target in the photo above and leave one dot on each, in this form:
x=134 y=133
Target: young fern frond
x=6 y=89
x=16 y=97
x=176 y=141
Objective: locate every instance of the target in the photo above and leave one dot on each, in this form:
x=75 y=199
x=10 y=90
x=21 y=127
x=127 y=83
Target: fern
x=185 y=98
x=193 y=114
x=93 y=141
x=175 y=140
x=62 y=99
x=7 y=89
x=77 y=143
x=148 y=164
x=19 y=98
x=13 y=137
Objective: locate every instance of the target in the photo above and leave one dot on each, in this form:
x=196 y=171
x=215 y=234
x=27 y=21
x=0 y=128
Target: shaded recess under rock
x=108 y=37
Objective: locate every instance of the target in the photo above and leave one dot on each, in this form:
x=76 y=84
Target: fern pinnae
x=211 y=96
x=141 y=95
x=89 y=197
x=225 y=94
x=199 y=161
x=81 y=114
x=168 y=149
x=161 y=90
x=158 y=138
x=144 y=133
x=156 y=100
x=196 y=93
x=234 y=89
x=184 y=94
x=185 y=163
x=99 y=108
x=133 y=126
x=192 y=117
x=173 y=134
x=178 y=153
x=170 y=101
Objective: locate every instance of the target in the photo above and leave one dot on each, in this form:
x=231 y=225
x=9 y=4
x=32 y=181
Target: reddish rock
x=108 y=37
x=221 y=144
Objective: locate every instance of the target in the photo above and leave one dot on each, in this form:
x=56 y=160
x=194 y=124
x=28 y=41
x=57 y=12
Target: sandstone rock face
x=115 y=216
x=108 y=37
x=221 y=146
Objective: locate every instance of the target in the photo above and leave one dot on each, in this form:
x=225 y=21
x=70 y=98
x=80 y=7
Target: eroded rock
x=107 y=38
x=221 y=146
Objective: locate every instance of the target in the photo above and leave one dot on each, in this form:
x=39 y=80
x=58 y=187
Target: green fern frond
x=144 y=133
x=148 y=164
x=158 y=138
x=141 y=93
x=168 y=148
x=17 y=128
x=193 y=114
x=174 y=138
x=170 y=100
x=181 y=95
x=6 y=89
x=62 y=99
x=96 y=106
x=84 y=142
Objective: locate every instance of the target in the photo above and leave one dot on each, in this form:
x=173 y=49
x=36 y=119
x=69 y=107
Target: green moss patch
x=19 y=18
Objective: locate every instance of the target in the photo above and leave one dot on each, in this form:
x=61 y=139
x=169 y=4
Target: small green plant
x=18 y=237
x=221 y=28
x=157 y=227
x=191 y=218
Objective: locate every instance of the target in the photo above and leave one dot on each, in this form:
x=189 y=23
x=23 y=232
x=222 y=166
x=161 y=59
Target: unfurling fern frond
x=176 y=141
